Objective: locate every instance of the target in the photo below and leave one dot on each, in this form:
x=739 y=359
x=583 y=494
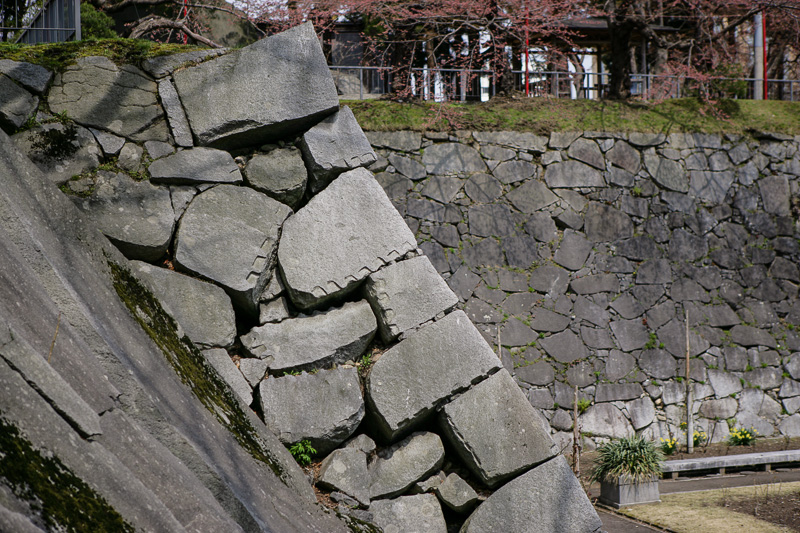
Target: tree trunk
x=620 y=32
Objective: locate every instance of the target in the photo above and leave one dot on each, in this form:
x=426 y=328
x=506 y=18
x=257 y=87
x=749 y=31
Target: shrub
x=742 y=437
x=302 y=452
x=632 y=457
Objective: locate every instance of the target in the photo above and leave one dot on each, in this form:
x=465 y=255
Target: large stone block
x=344 y=234
x=85 y=90
x=229 y=235
x=195 y=166
x=280 y=174
x=16 y=106
x=135 y=215
x=324 y=408
x=402 y=464
x=420 y=513
x=203 y=310
x=78 y=151
x=571 y=174
x=345 y=470
x=495 y=430
x=32 y=77
x=547 y=498
x=424 y=370
x=452 y=158
x=273 y=88
x=333 y=146
x=316 y=341
x=407 y=294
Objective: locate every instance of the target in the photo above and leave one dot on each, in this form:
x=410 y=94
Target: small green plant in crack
x=652 y=342
x=302 y=452
x=583 y=405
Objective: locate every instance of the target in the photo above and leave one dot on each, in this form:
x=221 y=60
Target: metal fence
x=461 y=85
x=40 y=21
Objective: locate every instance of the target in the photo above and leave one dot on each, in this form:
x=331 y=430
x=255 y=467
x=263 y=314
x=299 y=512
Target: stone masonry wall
x=302 y=312
x=581 y=253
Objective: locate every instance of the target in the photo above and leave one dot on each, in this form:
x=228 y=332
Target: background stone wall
x=581 y=253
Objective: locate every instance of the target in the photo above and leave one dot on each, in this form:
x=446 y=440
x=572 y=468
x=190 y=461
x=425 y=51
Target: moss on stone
x=63 y=500
x=58 y=56
x=190 y=365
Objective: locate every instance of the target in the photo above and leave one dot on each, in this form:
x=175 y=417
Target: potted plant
x=628 y=470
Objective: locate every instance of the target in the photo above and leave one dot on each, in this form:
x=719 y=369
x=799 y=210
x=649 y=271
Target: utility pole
x=689 y=399
x=759 y=55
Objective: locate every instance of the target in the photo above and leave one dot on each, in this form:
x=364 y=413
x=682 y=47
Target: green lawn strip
x=704 y=512
x=543 y=115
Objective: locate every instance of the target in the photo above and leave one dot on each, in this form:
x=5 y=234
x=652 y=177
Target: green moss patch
x=190 y=365
x=58 y=56
x=63 y=500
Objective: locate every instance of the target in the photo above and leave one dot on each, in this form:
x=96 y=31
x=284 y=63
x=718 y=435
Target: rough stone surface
x=547 y=498
x=85 y=152
x=441 y=188
x=104 y=354
x=345 y=470
x=280 y=174
x=330 y=404
x=408 y=167
x=456 y=494
x=85 y=90
x=531 y=197
x=333 y=146
x=604 y=223
x=407 y=294
x=452 y=158
x=495 y=430
x=272 y=88
x=227 y=370
x=317 y=341
x=420 y=513
x=32 y=77
x=319 y=259
x=195 y=166
x=136 y=216
x=203 y=310
x=424 y=370
x=17 y=105
x=401 y=465
x=606 y=420
x=229 y=235
x=176 y=116
x=571 y=174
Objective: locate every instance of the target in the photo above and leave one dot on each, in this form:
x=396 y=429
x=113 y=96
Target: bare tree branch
x=155 y=22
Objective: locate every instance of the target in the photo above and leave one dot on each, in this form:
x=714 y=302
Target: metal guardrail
x=40 y=21
x=470 y=84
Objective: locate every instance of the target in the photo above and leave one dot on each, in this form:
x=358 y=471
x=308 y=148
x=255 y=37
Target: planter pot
x=624 y=492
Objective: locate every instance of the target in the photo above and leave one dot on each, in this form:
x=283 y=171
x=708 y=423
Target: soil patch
x=778 y=508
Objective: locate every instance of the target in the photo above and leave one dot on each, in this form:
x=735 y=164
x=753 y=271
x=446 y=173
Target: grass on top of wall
x=57 y=56
x=545 y=115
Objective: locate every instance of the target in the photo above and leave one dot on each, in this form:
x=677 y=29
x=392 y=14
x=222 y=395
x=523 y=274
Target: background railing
x=461 y=85
x=40 y=21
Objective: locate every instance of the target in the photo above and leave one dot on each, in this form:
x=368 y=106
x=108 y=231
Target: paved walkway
x=614 y=523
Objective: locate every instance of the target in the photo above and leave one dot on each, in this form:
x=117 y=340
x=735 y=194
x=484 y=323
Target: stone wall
x=582 y=253
x=285 y=299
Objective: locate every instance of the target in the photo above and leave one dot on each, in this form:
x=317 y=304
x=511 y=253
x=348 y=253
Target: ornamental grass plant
x=632 y=457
